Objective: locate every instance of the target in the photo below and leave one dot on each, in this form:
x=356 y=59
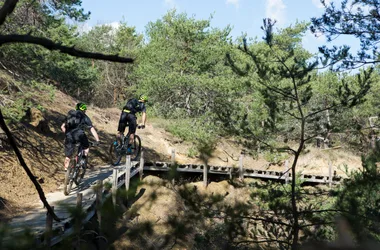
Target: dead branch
x=50 y=45
x=13 y=144
x=261 y=241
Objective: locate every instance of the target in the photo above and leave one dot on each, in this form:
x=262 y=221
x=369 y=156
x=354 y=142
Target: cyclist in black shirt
x=128 y=116
x=73 y=127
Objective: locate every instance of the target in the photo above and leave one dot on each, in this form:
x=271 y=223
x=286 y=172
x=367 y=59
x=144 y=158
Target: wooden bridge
x=90 y=194
x=244 y=172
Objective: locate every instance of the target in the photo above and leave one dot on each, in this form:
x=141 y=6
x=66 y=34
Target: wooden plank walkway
x=252 y=173
x=36 y=218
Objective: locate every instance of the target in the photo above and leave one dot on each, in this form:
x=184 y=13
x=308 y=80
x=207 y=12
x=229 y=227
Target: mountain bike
x=116 y=151
x=76 y=170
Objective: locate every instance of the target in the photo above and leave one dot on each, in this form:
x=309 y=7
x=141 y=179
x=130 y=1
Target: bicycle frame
x=78 y=156
x=73 y=172
x=117 y=152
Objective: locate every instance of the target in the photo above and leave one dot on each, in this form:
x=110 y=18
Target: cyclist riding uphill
x=73 y=127
x=128 y=116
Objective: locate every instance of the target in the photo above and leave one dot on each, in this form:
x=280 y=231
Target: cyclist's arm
x=143 y=118
x=91 y=127
x=63 y=127
x=94 y=133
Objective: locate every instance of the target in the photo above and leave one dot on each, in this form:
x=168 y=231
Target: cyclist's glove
x=141 y=126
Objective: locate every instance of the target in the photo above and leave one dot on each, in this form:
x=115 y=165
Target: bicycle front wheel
x=68 y=183
x=81 y=171
x=136 y=148
x=115 y=154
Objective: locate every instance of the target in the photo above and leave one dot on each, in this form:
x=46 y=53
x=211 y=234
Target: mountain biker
x=73 y=127
x=128 y=116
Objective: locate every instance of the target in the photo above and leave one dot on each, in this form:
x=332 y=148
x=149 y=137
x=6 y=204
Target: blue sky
x=245 y=16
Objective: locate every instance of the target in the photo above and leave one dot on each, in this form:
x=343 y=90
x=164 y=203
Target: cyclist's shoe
x=117 y=146
x=129 y=150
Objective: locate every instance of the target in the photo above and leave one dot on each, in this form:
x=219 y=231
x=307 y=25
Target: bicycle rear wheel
x=136 y=148
x=68 y=183
x=81 y=171
x=115 y=154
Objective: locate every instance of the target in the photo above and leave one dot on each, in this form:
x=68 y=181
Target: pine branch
x=7 y=9
x=50 y=45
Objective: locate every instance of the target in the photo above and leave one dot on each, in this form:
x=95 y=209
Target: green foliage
x=359 y=18
x=28 y=94
x=359 y=199
x=43 y=87
x=201 y=132
x=182 y=67
x=25 y=240
x=114 y=83
x=48 y=19
x=275 y=157
x=276 y=213
x=16 y=110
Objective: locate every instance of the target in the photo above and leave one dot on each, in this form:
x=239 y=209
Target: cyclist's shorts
x=74 y=137
x=127 y=119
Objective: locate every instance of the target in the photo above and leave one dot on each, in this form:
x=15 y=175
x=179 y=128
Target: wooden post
x=205 y=168
x=241 y=171
x=78 y=223
x=99 y=196
x=49 y=228
x=286 y=172
x=79 y=200
x=373 y=141
x=114 y=186
x=127 y=172
x=330 y=174
x=141 y=170
x=173 y=156
x=173 y=165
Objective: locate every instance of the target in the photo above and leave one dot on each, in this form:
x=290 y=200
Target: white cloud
x=233 y=2
x=114 y=25
x=171 y=3
x=85 y=28
x=275 y=9
x=318 y=3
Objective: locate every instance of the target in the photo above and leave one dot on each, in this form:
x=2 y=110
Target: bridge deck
x=36 y=218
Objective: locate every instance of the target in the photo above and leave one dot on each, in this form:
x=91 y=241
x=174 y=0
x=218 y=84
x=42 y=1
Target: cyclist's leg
x=81 y=137
x=69 y=148
x=121 y=127
x=132 y=120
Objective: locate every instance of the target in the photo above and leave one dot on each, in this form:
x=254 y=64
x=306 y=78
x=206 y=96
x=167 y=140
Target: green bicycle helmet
x=143 y=98
x=81 y=106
